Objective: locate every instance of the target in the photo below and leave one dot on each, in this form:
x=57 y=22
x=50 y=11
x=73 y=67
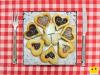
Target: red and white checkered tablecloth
x=6 y=34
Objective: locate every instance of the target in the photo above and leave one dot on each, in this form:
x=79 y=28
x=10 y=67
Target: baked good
x=49 y=56
x=68 y=33
x=35 y=46
x=42 y=20
x=32 y=31
x=65 y=48
x=60 y=21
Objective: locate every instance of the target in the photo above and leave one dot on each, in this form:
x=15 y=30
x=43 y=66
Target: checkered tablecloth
x=6 y=35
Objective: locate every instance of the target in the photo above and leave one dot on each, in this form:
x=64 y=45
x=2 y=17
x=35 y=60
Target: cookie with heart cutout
x=65 y=48
x=49 y=56
x=60 y=21
x=68 y=33
x=35 y=46
x=42 y=20
x=32 y=31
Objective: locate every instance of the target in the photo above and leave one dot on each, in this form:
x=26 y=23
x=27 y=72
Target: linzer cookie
x=32 y=31
x=60 y=20
x=67 y=33
x=49 y=56
x=43 y=20
x=65 y=48
x=35 y=46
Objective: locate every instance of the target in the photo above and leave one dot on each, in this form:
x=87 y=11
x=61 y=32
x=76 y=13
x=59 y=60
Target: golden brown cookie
x=60 y=20
x=65 y=48
x=35 y=46
x=68 y=33
x=49 y=56
x=32 y=31
x=42 y=20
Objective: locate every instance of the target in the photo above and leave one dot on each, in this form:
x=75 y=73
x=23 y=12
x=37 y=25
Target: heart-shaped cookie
x=68 y=33
x=49 y=56
x=42 y=20
x=32 y=31
x=60 y=20
x=65 y=48
x=35 y=46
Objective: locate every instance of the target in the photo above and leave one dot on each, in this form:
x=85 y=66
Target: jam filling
x=32 y=30
x=32 y=27
x=68 y=33
x=43 y=20
x=59 y=21
x=50 y=55
x=36 y=45
x=65 y=48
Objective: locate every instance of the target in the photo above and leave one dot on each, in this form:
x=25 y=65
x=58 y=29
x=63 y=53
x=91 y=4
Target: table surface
x=6 y=35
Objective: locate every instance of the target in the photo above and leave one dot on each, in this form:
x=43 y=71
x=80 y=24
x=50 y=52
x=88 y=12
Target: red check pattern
x=6 y=34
